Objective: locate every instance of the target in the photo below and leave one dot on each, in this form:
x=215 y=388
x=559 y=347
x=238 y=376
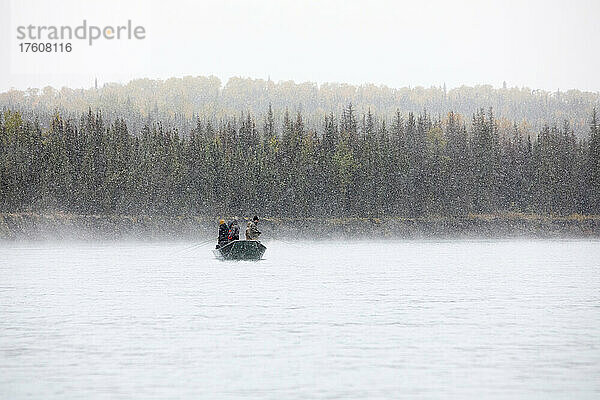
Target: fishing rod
x=202 y=243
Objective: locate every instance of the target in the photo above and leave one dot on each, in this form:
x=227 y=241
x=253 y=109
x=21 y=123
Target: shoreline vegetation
x=122 y=173
x=354 y=165
x=60 y=226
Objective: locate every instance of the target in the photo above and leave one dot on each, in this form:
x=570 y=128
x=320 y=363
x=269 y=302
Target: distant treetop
x=179 y=101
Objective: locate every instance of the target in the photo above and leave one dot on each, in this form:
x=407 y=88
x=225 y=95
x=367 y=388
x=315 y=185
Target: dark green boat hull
x=241 y=250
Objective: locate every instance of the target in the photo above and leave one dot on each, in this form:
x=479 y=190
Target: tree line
x=354 y=165
x=177 y=102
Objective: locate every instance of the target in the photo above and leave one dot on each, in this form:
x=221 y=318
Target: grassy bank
x=57 y=226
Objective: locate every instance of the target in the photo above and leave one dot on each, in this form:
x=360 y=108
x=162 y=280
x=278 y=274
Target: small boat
x=241 y=250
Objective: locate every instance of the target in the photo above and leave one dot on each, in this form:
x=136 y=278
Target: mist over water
x=398 y=319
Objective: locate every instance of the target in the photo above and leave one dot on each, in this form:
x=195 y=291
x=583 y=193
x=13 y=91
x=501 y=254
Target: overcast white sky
x=540 y=44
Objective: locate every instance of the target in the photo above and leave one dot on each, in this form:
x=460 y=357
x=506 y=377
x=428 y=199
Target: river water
x=355 y=320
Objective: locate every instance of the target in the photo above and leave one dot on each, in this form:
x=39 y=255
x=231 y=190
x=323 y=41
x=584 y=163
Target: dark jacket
x=223 y=234
x=234 y=231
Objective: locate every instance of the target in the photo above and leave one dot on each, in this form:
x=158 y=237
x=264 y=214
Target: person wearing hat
x=234 y=230
x=223 y=234
x=252 y=232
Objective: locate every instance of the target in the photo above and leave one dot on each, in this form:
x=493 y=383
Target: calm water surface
x=355 y=320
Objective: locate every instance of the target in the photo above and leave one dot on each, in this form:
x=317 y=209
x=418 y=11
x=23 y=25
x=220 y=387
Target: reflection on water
x=468 y=319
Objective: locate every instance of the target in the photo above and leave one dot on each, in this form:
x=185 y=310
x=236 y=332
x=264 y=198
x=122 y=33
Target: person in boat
x=234 y=231
x=223 y=234
x=252 y=232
